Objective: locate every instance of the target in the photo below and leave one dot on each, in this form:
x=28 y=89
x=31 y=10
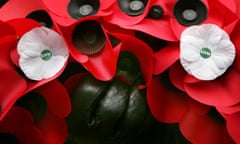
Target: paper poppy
x=203 y=124
x=220 y=92
x=67 y=12
x=37 y=117
x=215 y=13
x=197 y=122
x=89 y=43
x=42 y=53
x=154 y=19
x=10 y=66
x=206 y=51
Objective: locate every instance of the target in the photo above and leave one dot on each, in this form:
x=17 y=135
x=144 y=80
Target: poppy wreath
x=119 y=71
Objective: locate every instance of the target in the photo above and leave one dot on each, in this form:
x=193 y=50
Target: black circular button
x=156 y=12
x=88 y=37
x=132 y=7
x=78 y=9
x=190 y=12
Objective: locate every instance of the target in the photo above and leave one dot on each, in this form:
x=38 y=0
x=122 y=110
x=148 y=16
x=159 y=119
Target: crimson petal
x=142 y=51
x=233 y=126
x=165 y=105
x=54 y=129
x=220 y=92
x=6 y=29
x=19 y=9
x=200 y=129
x=12 y=85
x=30 y=134
x=122 y=19
x=61 y=16
x=57 y=98
x=166 y=57
x=177 y=75
x=23 y=25
x=16 y=118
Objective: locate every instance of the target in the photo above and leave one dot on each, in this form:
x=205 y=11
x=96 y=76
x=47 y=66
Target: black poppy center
x=190 y=12
x=132 y=7
x=79 y=8
x=88 y=37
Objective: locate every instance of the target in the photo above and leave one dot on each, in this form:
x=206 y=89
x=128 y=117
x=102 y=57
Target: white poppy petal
x=42 y=52
x=211 y=54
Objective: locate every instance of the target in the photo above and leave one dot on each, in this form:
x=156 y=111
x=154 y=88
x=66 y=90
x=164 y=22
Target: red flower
x=89 y=44
x=221 y=92
x=51 y=128
x=217 y=13
x=197 y=122
x=158 y=26
x=66 y=12
x=14 y=85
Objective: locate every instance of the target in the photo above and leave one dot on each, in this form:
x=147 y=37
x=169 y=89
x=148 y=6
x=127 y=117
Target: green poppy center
x=205 y=53
x=46 y=55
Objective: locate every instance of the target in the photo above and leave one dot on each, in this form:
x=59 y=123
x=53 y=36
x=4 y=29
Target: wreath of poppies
x=119 y=71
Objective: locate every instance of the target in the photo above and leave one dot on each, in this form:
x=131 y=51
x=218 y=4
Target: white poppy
x=42 y=52
x=206 y=51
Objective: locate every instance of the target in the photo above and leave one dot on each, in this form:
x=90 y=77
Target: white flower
x=206 y=51
x=42 y=52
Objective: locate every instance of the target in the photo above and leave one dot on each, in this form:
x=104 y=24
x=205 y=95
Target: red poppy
x=201 y=124
x=92 y=47
x=61 y=14
x=217 y=13
x=51 y=128
x=159 y=26
x=197 y=122
x=221 y=92
x=9 y=57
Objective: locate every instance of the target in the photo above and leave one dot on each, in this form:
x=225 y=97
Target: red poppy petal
x=103 y=65
x=19 y=9
x=71 y=83
x=230 y=4
x=54 y=129
x=143 y=53
x=15 y=119
x=12 y=85
x=233 y=121
x=215 y=16
x=6 y=29
x=57 y=98
x=165 y=105
x=122 y=19
x=160 y=29
x=30 y=134
x=230 y=109
x=237 y=7
x=106 y=4
x=220 y=92
x=59 y=11
x=165 y=57
x=177 y=75
x=201 y=129
x=23 y=25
